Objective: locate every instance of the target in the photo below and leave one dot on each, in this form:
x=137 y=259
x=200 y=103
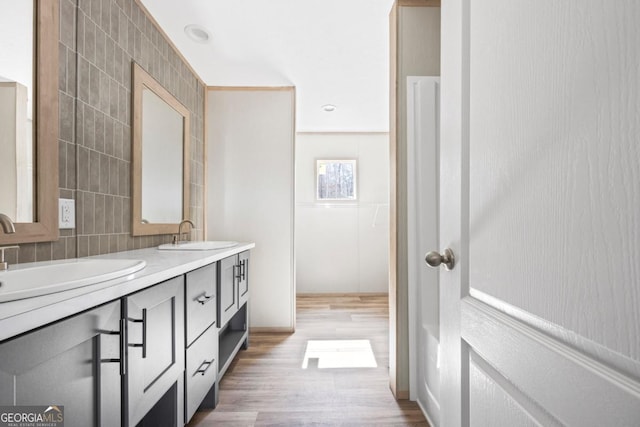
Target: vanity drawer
x=202 y=370
x=200 y=300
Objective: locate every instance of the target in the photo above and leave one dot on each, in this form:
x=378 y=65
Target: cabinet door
x=155 y=334
x=73 y=363
x=227 y=294
x=243 y=282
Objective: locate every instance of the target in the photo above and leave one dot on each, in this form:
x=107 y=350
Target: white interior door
x=540 y=202
x=422 y=198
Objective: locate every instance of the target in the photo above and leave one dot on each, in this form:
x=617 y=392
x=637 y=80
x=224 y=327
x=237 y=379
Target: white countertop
x=23 y=315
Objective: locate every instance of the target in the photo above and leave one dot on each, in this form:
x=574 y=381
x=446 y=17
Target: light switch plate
x=66 y=213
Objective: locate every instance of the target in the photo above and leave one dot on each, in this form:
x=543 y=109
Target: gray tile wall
x=99 y=40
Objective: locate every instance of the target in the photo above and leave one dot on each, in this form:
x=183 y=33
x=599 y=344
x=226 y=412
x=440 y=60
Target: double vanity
x=131 y=338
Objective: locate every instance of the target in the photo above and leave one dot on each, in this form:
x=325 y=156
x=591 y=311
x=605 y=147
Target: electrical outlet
x=66 y=213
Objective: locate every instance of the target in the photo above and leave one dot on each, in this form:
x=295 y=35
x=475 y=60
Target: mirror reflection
x=160 y=158
x=17 y=110
x=162 y=131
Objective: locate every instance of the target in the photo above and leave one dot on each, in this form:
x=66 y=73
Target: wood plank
x=225 y=419
x=266 y=384
x=258 y=330
x=419 y=3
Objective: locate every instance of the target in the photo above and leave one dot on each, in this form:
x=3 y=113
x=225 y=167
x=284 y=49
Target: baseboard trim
x=426 y=414
x=402 y=395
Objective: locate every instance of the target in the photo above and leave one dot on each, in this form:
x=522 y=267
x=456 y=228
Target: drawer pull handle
x=243 y=269
x=206 y=365
x=204 y=298
x=123 y=344
x=144 y=333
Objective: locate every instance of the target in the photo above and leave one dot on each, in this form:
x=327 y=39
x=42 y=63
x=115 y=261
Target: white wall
x=250 y=183
x=343 y=247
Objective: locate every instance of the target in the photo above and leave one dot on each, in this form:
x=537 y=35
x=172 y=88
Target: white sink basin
x=23 y=281
x=198 y=246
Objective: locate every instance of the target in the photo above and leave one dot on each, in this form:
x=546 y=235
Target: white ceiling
x=332 y=51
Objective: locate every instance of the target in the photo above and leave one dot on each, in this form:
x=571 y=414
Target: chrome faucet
x=3 y=264
x=183 y=222
x=7 y=224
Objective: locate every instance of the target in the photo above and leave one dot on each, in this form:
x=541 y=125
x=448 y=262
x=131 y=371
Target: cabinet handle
x=206 y=365
x=238 y=274
x=204 y=298
x=243 y=265
x=123 y=344
x=144 y=333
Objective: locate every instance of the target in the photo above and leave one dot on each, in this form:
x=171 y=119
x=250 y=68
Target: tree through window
x=336 y=179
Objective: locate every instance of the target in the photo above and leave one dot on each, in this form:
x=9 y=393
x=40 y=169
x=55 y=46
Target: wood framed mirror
x=160 y=158
x=40 y=193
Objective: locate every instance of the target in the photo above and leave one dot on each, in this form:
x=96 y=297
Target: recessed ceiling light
x=329 y=108
x=197 y=33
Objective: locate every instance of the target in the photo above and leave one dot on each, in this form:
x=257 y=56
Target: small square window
x=336 y=179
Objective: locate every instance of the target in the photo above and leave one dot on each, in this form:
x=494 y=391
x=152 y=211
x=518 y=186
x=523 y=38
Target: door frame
x=398 y=304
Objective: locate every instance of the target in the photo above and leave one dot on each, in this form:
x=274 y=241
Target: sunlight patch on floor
x=339 y=354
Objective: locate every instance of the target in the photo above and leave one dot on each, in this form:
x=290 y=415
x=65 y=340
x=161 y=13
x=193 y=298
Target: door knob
x=434 y=259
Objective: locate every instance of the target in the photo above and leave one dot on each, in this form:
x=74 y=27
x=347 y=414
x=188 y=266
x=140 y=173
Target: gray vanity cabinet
x=155 y=335
x=74 y=363
x=200 y=302
x=201 y=370
x=227 y=295
x=233 y=312
x=243 y=280
x=233 y=286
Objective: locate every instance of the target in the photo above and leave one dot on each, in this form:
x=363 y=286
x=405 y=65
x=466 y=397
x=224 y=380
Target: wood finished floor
x=266 y=385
